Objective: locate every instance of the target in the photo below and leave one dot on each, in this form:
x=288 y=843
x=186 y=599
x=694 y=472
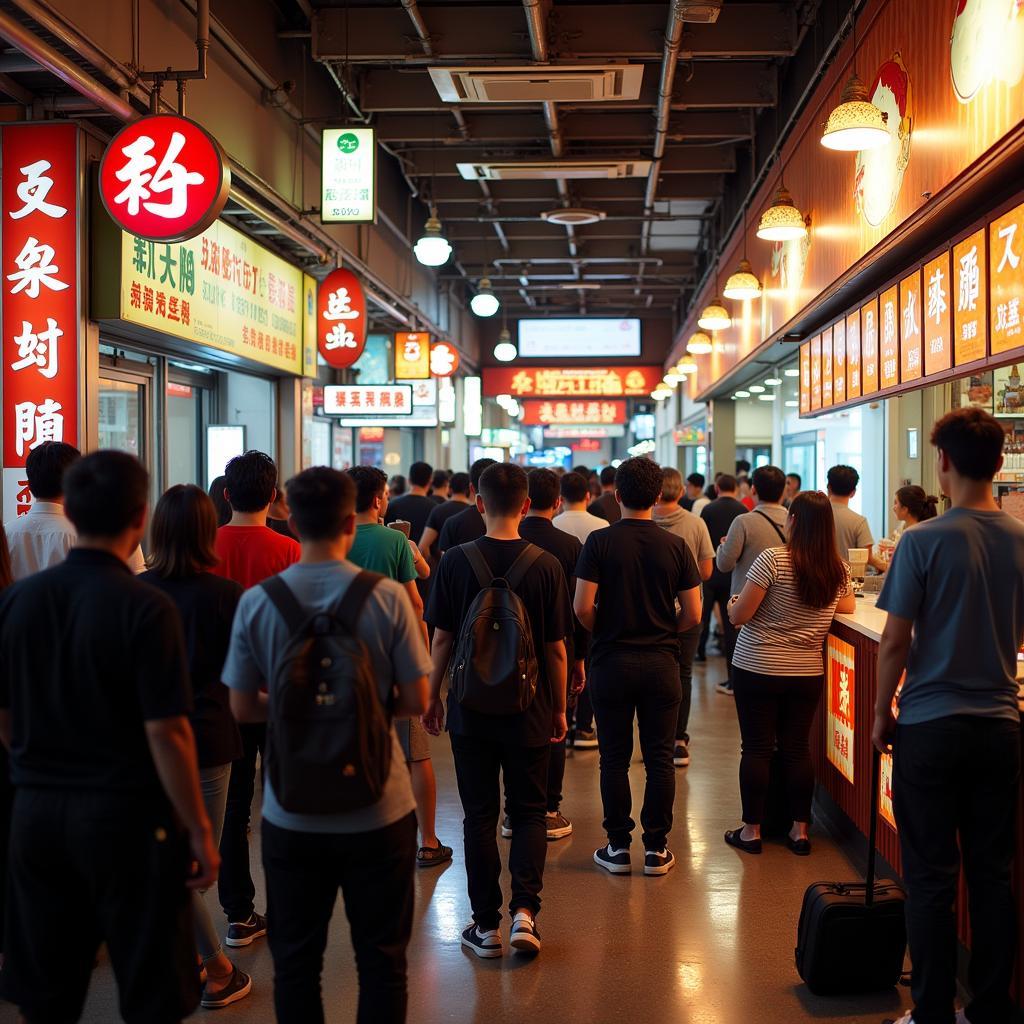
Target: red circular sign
x=341 y=319
x=164 y=178
x=444 y=359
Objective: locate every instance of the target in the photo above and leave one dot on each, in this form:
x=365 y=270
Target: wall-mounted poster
x=1008 y=391
x=986 y=44
x=840 y=680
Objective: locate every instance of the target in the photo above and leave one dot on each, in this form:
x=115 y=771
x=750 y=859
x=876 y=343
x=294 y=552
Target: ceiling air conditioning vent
x=699 y=13
x=578 y=83
x=554 y=170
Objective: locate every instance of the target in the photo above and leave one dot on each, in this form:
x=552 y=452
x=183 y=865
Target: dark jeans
x=556 y=776
x=584 y=720
x=642 y=686
x=716 y=591
x=776 y=711
x=374 y=871
x=478 y=765
x=235 y=887
x=959 y=777
x=687 y=649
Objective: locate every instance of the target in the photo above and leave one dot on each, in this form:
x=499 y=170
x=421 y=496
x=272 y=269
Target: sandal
x=238 y=987
x=432 y=856
x=733 y=838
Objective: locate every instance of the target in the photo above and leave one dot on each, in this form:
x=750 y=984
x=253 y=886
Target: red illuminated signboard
x=370 y=400
x=542 y=412
x=412 y=355
x=39 y=249
x=444 y=359
x=841 y=679
x=839 y=362
x=164 y=178
x=571 y=382
x=911 y=339
x=341 y=320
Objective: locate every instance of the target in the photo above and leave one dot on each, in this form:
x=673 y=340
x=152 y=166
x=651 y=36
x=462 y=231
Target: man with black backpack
x=342 y=654
x=500 y=612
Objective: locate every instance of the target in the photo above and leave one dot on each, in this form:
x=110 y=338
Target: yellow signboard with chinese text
x=1006 y=309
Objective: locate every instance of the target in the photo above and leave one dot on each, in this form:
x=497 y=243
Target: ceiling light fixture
x=782 y=221
x=432 y=249
x=685 y=367
x=773 y=382
x=672 y=378
x=741 y=394
x=503 y=400
x=755 y=389
x=699 y=344
x=714 y=316
x=856 y=123
x=743 y=282
x=767 y=398
x=792 y=371
x=574 y=216
x=505 y=351
x=792 y=404
x=485 y=302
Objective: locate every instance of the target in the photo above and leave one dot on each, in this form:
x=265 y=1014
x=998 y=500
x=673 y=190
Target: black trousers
x=374 y=871
x=958 y=778
x=235 y=888
x=584 y=715
x=717 y=591
x=776 y=711
x=687 y=649
x=88 y=868
x=480 y=765
x=642 y=686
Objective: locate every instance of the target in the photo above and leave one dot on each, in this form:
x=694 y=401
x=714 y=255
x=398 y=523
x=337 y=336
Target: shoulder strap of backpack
x=286 y=603
x=521 y=566
x=478 y=563
x=775 y=525
x=355 y=598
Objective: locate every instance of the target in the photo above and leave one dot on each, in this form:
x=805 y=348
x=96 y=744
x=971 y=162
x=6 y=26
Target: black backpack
x=328 y=732
x=494 y=669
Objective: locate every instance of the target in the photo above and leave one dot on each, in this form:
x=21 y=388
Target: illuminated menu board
x=869 y=347
x=969 y=296
x=805 y=378
x=816 y=373
x=889 y=343
x=853 y=355
x=1006 y=264
x=839 y=362
x=910 y=327
x=938 y=345
x=826 y=368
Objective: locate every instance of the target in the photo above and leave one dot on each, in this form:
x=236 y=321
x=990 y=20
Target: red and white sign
x=164 y=178
x=841 y=678
x=412 y=355
x=39 y=249
x=538 y=412
x=444 y=359
x=370 y=400
x=885 y=806
x=341 y=320
x=571 y=381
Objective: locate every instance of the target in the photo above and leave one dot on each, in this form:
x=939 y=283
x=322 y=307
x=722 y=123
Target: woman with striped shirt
x=786 y=608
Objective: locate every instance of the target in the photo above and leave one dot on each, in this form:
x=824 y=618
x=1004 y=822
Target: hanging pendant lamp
x=485 y=302
x=699 y=344
x=782 y=221
x=432 y=249
x=856 y=123
x=743 y=283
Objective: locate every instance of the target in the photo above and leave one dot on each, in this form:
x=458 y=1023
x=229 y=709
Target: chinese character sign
x=348 y=175
x=816 y=373
x=910 y=328
x=805 y=378
x=543 y=412
x=839 y=722
x=970 y=299
x=571 y=382
x=869 y=348
x=935 y=315
x=853 y=355
x=164 y=178
x=1006 y=246
x=444 y=359
x=341 y=323
x=885 y=807
x=889 y=339
x=370 y=400
x=412 y=355
x=839 y=362
x=826 y=368
x=40 y=322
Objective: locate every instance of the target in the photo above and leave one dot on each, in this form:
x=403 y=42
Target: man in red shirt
x=249 y=552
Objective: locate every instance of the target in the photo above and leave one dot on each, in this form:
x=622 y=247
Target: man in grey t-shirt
x=955 y=598
x=852 y=530
x=369 y=853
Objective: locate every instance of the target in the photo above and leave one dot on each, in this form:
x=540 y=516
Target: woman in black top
x=183 y=534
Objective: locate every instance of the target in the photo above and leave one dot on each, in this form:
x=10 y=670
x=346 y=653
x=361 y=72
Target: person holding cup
x=851 y=528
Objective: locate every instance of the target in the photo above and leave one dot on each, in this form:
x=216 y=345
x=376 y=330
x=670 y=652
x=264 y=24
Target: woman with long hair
x=220 y=503
x=785 y=610
x=182 y=536
x=914 y=505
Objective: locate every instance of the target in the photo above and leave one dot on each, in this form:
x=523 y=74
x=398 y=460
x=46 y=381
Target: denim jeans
x=214 y=784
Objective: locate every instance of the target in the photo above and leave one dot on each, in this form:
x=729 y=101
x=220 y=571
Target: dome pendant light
x=699 y=344
x=485 y=302
x=742 y=283
x=505 y=351
x=714 y=316
x=782 y=221
x=432 y=249
x=856 y=123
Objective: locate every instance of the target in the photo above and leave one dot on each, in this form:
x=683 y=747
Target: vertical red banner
x=39 y=247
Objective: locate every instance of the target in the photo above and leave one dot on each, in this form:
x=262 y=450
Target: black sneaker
x=524 y=937
x=557 y=824
x=239 y=986
x=700 y=656
x=725 y=688
x=614 y=861
x=486 y=944
x=585 y=740
x=681 y=755
x=506 y=827
x=244 y=933
x=658 y=862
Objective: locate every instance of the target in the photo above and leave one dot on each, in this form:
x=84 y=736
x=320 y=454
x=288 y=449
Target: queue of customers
x=516 y=611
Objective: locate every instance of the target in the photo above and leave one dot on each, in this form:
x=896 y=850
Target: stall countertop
x=867 y=619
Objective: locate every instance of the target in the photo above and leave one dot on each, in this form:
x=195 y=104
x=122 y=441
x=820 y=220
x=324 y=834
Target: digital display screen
x=579 y=337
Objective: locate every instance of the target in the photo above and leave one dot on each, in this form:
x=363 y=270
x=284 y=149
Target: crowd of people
x=319 y=633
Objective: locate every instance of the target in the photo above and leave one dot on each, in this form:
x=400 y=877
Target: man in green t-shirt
x=381 y=549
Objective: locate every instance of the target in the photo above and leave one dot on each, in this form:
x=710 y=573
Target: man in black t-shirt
x=628 y=581
x=459 y=487
x=537 y=528
x=108 y=818
x=516 y=746
x=468 y=524
x=415 y=505
x=607 y=506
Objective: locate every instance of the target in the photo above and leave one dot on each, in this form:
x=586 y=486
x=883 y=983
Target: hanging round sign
x=341 y=319
x=164 y=178
x=444 y=359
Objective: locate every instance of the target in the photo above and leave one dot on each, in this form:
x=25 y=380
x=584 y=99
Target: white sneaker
x=524 y=938
x=614 y=861
x=486 y=944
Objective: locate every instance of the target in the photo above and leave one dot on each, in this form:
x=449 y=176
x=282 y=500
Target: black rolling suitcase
x=852 y=936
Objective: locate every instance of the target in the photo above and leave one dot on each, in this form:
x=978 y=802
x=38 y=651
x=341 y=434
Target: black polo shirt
x=461 y=529
x=415 y=509
x=443 y=512
x=606 y=507
x=88 y=654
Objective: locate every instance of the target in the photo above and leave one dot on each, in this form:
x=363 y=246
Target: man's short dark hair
x=320 y=500
x=584 y=471
x=795 y=476
x=477 y=470
x=504 y=489
x=250 y=479
x=440 y=479
x=459 y=483
x=575 y=488
x=726 y=483
x=105 y=492
x=638 y=482
x=769 y=482
x=45 y=468
x=542 y=485
x=973 y=439
x=420 y=474
x=608 y=476
x=370 y=483
x=697 y=479
x=742 y=467
x=842 y=481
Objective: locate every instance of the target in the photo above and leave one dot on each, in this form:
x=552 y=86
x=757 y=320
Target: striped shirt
x=785 y=636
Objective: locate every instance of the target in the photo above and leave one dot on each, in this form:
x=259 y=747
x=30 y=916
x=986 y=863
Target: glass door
x=124 y=413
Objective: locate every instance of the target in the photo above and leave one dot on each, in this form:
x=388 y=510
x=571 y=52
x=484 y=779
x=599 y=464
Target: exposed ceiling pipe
x=413 y=10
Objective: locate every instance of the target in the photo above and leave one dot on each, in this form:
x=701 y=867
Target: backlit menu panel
x=970 y=323
x=910 y=327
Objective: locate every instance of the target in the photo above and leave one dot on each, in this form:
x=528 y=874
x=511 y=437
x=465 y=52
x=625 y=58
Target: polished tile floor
x=711 y=943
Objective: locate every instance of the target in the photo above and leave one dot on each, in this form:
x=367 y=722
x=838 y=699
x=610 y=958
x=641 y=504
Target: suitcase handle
x=876 y=769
